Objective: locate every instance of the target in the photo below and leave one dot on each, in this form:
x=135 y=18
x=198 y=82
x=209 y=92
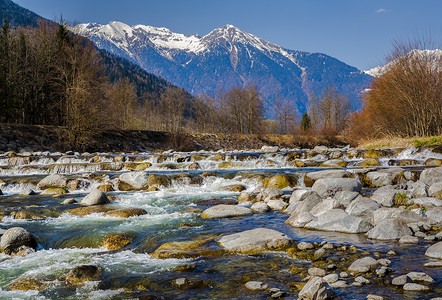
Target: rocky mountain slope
x=228 y=57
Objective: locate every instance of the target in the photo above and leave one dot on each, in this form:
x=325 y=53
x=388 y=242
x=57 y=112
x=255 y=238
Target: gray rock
x=16 y=238
x=310 y=178
x=338 y=220
x=396 y=213
x=427 y=201
x=383 y=177
x=324 y=206
x=69 y=201
x=430 y=176
x=389 y=229
x=52 y=181
x=374 y=297
x=260 y=207
x=331 y=278
x=408 y=239
x=305 y=246
x=384 y=262
x=316 y=272
x=362 y=280
x=308 y=201
x=415 y=287
x=435 y=215
x=383 y=271
x=343 y=275
x=26 y=192
x=401 y=280
x=277 y=204
x=256 y=286
x=299 y=220
x=384 y=196
x=135 y=180
x=316 y=289
x=417 y=189
x=226 y=211
x=363 y=265
x=95 y=197
x=434 y=251
x=362 y=207
x=258 y=239
x=328 y=186
x=420 y=276
x=339 y=284
x=269 y=193
x=296 y=195
x=345 y=197
x=292 y=207
x=435 y=190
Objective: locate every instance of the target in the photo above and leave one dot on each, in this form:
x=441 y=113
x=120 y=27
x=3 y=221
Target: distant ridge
x=228 y=57
x=17 y=15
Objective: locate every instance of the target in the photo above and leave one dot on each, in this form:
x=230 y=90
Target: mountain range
x=229 y=57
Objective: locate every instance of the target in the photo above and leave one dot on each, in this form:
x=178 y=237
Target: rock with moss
x=27 y=284
x=189 y=249
x=15 y=238
x=334 y=163
x=126 y=213
x=258 y=239
x=369 y=162
x=116 y=241
x=87 y=210
x=433 y=162
x=80 y=275
x=137 y=166
x=54 y=191
x=377 y=153
x=280 y=181
x=158 y=181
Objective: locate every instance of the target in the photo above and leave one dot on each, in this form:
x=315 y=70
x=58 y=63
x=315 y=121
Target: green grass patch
x=431 y=141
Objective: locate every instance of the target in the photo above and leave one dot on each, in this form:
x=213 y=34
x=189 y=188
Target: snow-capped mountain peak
x=228 y=57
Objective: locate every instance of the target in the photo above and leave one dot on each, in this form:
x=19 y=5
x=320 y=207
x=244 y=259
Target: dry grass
x=389 y=142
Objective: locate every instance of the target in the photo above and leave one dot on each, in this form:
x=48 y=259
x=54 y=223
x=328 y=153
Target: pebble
x=339 y=284
x=316 y=272
x=420 y=234
x=331 y=278
x=384 y=262
x=431 y=264
x=331 y=267
x=256 y=285
x=343 y=275
x=420 y=276
x=362 y=280
x=383 y=271
x=374 y=297
x=305 y=246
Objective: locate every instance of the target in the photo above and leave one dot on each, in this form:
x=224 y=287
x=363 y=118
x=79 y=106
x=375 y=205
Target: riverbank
x=28 y=138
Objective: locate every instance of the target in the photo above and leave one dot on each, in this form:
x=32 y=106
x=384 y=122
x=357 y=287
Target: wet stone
x=256 y=285
x=414 y=287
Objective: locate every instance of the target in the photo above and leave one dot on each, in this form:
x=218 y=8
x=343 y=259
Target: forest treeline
x=50 y=76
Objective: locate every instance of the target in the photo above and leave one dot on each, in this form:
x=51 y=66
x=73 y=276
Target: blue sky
x=358 y=32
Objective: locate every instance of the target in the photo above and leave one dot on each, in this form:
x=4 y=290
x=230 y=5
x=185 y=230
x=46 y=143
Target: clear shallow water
x=68 y=241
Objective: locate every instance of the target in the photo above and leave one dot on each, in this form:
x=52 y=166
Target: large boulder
x=133 y=181
x=329 y=186
x=52 y=181
x=389 y=229
x=402 y=214
x=300 y=219
x=280 y=181
x=324 y=207
x=385 y=196
x=296 y=195
x=430 y=176
x=95 y=197
x=308 y=201
x=383 y=177
x=80 y=275
x=268 y=194
x=226 y=211
x=435 y=190
x=316 y=289
x=338 y=220
x=435 y=251
x=310 y=178
x=362 y=207
x=15 y=239
x=417 y=189
x=345 y=197
x=259 y=239
x=126 y=213
x=188 y=249
x=435 y=215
